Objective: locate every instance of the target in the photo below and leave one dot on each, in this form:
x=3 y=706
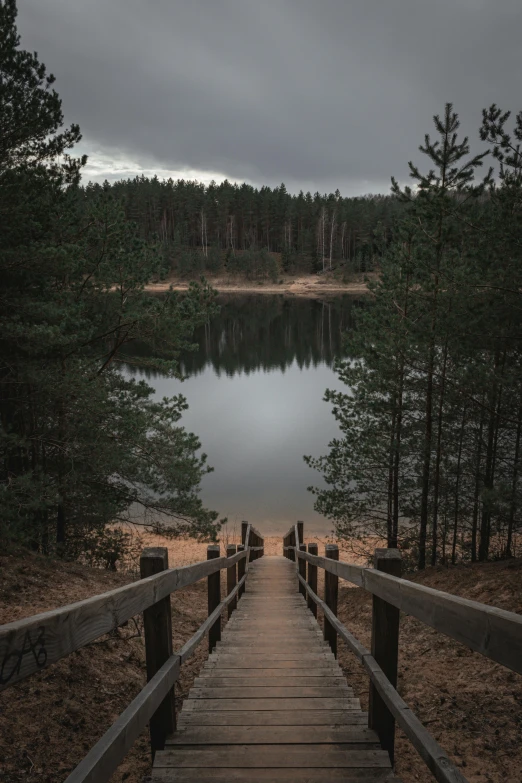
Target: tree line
x=237 y=228
x=429 y=455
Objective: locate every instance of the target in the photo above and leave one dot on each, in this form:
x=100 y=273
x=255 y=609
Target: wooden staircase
x=271 y=703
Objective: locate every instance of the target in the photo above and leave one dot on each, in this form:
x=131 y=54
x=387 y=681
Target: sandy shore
x=311 y=286
x=185 y=551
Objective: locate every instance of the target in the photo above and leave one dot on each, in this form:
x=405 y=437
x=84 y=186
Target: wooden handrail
x=104 y=758
x=495 y=633
x=427 y=747
x=36 y=642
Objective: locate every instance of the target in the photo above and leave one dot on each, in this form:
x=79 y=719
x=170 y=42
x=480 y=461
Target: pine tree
x=82 y=445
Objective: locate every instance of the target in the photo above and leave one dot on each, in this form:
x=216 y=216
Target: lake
x=255 y=393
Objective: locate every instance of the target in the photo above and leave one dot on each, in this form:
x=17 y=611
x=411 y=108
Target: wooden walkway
x=271 y=703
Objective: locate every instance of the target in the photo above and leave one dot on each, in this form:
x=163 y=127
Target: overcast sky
x=318 y=94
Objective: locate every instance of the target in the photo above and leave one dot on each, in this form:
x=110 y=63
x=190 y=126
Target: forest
x=431 y=422
x=81 y=445
x=238 y=229
x=429 y=457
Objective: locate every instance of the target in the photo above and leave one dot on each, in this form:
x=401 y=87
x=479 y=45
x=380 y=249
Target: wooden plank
x=274 y=735
x=38 y=641
x=270 y=756
x=191 y=775
x=329 y=669
x=314 y=646
x=345 y=717
x=263 y=660
x=264 y=680
x=269 y=692
x=218 y=705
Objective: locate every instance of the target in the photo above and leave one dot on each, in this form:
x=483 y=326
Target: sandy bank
x=311 y=286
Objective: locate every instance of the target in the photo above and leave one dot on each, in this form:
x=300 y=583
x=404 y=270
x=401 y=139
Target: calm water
x=255 y=392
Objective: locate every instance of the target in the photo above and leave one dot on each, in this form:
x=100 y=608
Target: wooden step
x=271 y=703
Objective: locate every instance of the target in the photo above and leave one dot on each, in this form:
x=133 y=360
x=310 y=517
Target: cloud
x=318 y=95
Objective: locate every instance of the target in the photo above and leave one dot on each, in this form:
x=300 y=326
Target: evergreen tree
x=82 y=445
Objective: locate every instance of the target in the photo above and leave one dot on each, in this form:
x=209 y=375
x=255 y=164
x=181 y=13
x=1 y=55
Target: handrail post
x=331 y=590
x=292 y=543
x=313 y=549
x=302 y=571
x=157 y=624
x=385 y=650
x=214 y=598
x=244 y=526
x=241 y=566
x=231 y=579
x=300 y=531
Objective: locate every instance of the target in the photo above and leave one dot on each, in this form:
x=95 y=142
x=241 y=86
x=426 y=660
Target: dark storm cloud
x=318 y=93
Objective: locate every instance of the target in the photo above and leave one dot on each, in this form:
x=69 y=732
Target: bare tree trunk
x=438 y=457
x=457 y=487
x=426 y=466
x=491 y=449
x=389 y=516
x=474 y=522
x=514 y=481
x=332 y=227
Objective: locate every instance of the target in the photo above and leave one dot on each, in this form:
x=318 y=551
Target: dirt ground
x=48 y=722
x=310 y=286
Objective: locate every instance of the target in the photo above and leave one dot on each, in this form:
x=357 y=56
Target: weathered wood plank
x=274 y=735
x=167 y=775
x=278 y=756
x=219 y=705
x=268 y=692
x=346 y=717
x=222 y=681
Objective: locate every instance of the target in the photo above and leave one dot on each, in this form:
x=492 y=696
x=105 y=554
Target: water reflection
x=255 y=390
